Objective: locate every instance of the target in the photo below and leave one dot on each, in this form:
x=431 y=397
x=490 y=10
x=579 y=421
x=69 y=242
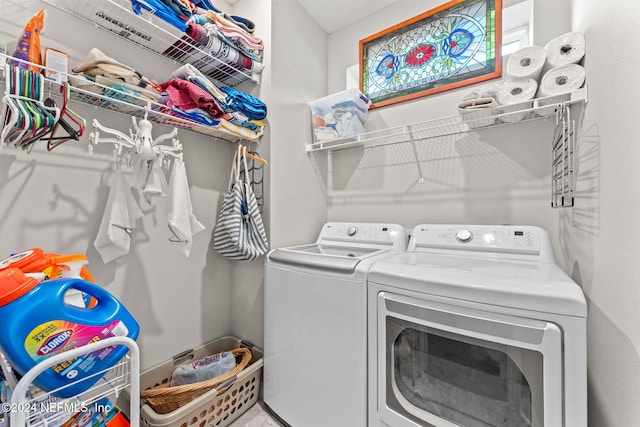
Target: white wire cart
x=25 y=408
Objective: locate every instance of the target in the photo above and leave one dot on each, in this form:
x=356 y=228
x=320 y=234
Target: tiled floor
x=256 y=416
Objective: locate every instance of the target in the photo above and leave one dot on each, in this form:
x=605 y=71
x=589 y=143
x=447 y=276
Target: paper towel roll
x=527 y=63
x=566 y=49
x=516 y=95
x=562 y=80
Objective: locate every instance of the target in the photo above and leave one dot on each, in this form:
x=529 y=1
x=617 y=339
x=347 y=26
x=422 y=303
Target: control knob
x=352 y=231
x=464 y=236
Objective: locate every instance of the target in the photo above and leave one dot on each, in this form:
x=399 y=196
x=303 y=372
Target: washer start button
x=464 y=236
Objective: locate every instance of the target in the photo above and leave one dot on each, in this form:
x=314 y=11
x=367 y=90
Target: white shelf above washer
x=403 y=149
x=542 y=109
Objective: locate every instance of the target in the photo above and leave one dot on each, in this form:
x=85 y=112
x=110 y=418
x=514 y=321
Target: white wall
x=601 y=234
x=299 y=75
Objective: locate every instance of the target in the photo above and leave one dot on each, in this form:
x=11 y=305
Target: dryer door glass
x=466 y=381
x=447 y=365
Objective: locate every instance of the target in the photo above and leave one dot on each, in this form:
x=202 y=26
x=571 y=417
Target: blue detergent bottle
x=37 y=323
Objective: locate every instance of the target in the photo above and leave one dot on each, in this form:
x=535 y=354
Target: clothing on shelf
x=161 y=10
x=245 y=103
x=188 y=94
x=241 y=109
x=230 y=38
x=96 y=63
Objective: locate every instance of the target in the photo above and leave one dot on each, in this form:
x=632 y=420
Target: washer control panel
x=387 y=234
x=499 y=239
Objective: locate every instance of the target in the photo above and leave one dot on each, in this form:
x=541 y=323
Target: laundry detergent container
x=39 y=323
x=340 y=115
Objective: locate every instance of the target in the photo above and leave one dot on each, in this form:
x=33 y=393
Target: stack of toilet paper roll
x=549 y=73
x=553 y=71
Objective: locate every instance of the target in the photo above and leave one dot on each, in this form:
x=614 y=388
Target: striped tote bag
x=239 y=233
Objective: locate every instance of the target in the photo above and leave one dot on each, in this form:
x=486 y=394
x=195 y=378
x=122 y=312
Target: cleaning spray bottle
x=45 y=266
x=42 y=324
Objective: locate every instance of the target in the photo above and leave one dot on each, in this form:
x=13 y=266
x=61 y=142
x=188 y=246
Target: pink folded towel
x=186 y=96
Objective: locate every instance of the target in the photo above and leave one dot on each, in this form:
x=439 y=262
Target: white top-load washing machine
x=476 y=326
x=315 y=332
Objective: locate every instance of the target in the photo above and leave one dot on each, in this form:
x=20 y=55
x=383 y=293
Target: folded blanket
x=161 y=10
x=182 y=10
x=196 y=114
x=96 y=63
x=214 y=32
x=251 y=106
x=234 y=31
x=187 y=96
x=192 y=74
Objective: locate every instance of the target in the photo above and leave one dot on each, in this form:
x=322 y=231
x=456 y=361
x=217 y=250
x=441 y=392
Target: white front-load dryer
x=315 y=332
x=476 y=326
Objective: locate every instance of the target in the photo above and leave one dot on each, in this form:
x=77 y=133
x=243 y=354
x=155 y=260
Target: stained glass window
x=447 y=47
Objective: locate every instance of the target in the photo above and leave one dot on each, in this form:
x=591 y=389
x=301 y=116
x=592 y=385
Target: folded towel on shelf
x=180 y=8
x=199 y=17
x=245 y=103
x=225 y=50
x=144 y=94
x=85 y=83
x=96 y=63
x=195 y=114
x=244 y=121
x=234 y=31
x=192 y=74
x=198 y=33
x=161 y=10
x=213 y=31
x=186 y=96
x=202 y=6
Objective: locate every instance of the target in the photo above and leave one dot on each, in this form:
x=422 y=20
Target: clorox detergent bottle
x=38 y=323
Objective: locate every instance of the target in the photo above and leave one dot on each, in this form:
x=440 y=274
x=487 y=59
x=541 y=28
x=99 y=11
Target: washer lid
x=342 y=259
x=532 y=286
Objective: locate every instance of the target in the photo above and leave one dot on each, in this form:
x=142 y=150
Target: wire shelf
x=436 y=153
x=538 y=109
x=219 y=62
x=112 y=99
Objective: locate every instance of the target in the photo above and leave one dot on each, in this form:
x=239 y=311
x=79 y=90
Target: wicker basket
x=164 y=398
